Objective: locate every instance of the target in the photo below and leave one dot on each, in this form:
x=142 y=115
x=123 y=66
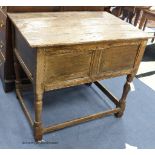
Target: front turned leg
x=122 y=101
x=38 y=113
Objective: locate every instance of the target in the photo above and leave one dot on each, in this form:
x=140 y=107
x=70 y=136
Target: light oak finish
x=86 y=48
x=91 y=24
x=129 y=13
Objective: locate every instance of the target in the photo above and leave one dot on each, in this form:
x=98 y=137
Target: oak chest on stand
x=86 y=48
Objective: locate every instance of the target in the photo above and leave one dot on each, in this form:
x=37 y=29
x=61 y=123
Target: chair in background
x=148 y=15
x=131 y=14
x=138 y=12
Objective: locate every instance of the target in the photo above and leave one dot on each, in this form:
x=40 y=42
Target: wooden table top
x=67 y=28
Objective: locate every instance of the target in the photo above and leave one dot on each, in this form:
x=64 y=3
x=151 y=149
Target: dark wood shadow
x=149 y=54
x=145 y=74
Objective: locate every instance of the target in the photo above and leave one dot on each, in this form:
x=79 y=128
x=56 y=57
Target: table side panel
x=27 y=55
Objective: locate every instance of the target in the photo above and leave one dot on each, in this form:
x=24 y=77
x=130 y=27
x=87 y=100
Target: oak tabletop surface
x=67 y=28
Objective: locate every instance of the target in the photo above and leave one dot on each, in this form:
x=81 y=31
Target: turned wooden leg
x=38 y=113
x=18 y=82
x=122 y=101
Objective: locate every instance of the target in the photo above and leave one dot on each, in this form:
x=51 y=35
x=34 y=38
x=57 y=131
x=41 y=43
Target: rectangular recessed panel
x=118 y=58
x=67 y=66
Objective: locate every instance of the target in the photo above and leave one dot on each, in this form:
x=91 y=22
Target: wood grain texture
x=67 y=65
x=77 y=28
x=80 y=120
x=118 y=57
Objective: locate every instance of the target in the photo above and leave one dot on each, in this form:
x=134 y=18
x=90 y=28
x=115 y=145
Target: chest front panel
x=67 y=64
x=95 y=61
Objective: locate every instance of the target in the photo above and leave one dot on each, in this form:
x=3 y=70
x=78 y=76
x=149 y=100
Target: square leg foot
x=119 y=114
x=38 y=135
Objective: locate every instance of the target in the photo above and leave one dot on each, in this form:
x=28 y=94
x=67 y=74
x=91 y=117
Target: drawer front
x=67 y=65
x=117 y=58
x=2 y=60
